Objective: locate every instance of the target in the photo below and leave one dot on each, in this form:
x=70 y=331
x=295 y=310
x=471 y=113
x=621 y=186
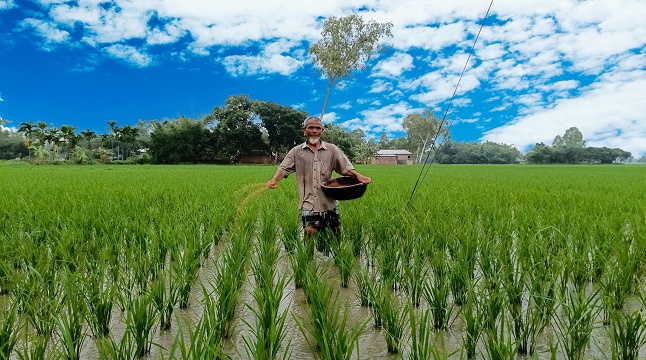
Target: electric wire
x=422 y=174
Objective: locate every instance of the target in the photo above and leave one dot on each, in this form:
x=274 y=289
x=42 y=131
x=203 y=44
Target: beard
x=313 y=140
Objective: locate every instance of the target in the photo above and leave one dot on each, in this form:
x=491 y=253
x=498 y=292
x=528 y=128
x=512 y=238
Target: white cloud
x=614 y=105
x=130 y=54
x=6 y=4
x=380 y=86
x=46 y=30
x=393 y=66
x=270 y=60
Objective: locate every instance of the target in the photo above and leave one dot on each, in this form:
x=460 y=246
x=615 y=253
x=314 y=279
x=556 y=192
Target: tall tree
x=423 y=130
x=27 y=130
x=347 y=43
x=88 y=135
x=284 y=125
x=236 y=131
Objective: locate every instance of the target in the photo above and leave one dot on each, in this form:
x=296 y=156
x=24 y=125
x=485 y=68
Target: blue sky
x=540 y=66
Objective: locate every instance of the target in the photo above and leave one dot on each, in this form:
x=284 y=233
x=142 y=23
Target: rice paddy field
x=204 y=262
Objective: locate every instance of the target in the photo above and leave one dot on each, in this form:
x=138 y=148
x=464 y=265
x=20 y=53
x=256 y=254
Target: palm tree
x=111 y=124
x=54 y=137
x=27 y=130
x=41 y=132
x=88 y=135
x=70 y=138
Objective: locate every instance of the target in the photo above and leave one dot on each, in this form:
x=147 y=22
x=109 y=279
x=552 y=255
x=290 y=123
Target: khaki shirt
x=312 y=169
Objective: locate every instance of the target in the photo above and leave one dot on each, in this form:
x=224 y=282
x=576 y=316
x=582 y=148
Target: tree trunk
x=327 y=94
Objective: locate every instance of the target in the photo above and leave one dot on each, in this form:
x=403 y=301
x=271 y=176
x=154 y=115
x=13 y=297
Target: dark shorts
x=321 y=220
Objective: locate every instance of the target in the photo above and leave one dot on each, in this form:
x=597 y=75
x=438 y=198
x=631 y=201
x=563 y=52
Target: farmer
x=313 y=162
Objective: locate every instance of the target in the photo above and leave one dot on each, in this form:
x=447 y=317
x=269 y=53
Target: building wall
x=257 y=159
x=386 y=160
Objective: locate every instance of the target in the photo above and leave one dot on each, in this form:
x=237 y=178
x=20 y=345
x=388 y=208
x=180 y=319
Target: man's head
x=313 y=128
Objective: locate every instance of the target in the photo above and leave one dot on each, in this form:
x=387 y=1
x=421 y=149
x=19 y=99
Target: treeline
x=570 y=149
x=243 y=126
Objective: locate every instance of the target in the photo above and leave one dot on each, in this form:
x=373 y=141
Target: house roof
x=393 y=152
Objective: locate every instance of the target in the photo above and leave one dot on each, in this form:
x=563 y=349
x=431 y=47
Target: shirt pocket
x=326 y=171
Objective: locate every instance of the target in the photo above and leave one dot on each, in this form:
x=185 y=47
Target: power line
x=422 y=174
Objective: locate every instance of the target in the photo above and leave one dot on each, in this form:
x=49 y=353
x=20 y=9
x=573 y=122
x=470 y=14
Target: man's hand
x=271 y=184
x=363 y=179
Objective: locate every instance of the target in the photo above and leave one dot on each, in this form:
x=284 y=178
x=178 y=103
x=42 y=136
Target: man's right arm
x=277 y=177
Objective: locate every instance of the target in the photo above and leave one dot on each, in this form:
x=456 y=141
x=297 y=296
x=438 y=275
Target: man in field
x=313 y=162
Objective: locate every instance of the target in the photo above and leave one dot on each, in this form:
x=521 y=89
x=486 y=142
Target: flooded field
x=185 y=262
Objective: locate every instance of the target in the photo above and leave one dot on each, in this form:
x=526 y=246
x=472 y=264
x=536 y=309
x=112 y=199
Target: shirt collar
x=323 y=145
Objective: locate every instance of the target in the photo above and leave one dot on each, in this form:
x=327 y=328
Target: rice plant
x=437 y=291
x=9 y=326
x=627 y=334
x=575 y=326
x=141 y=317
x=99 y=292
x=328 y=326
x=363 y=279
x=394 y=321
x=422 y=344
x=474 y=317
x=165 y=294
x=344 y=256
x=71 y=320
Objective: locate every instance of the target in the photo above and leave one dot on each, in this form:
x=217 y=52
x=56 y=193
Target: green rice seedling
x=109 y=349
x=207 y=336
x=474 y=318
x=99 y=294
x=165 y=294
x=344 y=258
x=141 y=317
x=437 y=291
x=394 y=321
x=43 y=302
x=300 y=260
x=494 y=304
x=627 y=334
x=328 y=321
x=498 y=342
x=9 y=327
x=269 y=331
x=422 y=344
x=70 y=321
x=376 y=289
x=185 y=270
x=202 y=343
x=36 y=347
x=388 y=263
x=363 y=279
x=574 y=326
x=415 y=271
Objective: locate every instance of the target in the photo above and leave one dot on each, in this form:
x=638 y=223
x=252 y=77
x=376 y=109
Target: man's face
x=313 y=131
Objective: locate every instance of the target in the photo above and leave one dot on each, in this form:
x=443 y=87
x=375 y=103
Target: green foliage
x=570 y=149
x=182 y=140
x=346 y=44
x=422 y=132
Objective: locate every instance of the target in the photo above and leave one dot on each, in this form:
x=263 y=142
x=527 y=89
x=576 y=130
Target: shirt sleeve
x=288 y=165
x=342 y=164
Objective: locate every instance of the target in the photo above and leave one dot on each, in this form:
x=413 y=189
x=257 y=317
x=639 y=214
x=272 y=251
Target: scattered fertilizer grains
x=197 y=262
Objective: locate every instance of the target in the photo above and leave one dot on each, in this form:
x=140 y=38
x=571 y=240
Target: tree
x=12 y=145
x=383 y=143
x=349 y=142
x=284 y=125
x=182 y=140
x=27 y=130
x=347 y=43
x=570 y=147
x=88 y=135
x=423 y=130
x=236 y=132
